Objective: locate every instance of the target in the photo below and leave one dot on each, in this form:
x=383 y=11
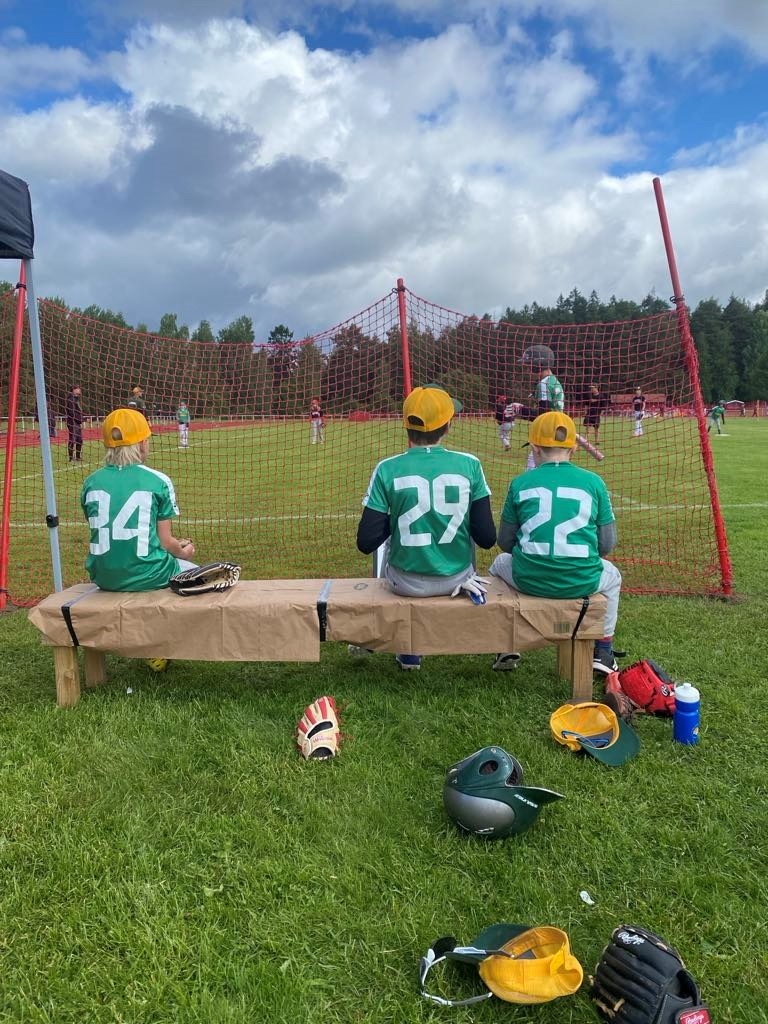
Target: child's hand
x=187 y=548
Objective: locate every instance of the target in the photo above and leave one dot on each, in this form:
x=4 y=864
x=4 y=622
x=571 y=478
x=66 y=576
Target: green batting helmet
x=484 y=794
x=538 y=357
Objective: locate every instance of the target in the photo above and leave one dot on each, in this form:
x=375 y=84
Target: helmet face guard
x=484 y=795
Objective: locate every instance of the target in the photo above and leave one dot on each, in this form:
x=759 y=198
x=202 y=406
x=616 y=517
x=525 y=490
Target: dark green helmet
x=538 y=357
x=484 y=794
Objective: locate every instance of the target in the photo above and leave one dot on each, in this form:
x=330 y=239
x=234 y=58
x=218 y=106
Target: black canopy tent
x=17 y=239
x=17 y=232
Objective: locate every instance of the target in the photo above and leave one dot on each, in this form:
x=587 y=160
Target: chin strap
x=438 y=952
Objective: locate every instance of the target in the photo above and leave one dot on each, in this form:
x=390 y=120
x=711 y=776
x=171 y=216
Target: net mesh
x=258 y=484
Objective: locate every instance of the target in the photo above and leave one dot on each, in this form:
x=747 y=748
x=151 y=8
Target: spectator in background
x=51 y=422
x=136 y=401
x=74 y=421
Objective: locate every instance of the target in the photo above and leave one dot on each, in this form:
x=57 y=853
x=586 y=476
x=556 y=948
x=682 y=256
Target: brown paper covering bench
x=286 y=620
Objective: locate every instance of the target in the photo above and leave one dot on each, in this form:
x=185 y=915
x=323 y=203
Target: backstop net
x=260 y=482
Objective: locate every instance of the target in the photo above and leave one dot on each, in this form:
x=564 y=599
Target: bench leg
x=67 y=676
x=574 y=662
x=95 y=667
x=581 y=670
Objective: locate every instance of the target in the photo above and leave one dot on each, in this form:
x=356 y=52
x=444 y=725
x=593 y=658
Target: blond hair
x=125 y=455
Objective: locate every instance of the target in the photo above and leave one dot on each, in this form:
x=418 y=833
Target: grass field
x=167 y=858
x=263 y=496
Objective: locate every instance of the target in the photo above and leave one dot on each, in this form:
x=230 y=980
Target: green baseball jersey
x=556 y=510
x=123 y=506
x=427 y=493
x=717 y=412
x=182 y=414
x=550 y=390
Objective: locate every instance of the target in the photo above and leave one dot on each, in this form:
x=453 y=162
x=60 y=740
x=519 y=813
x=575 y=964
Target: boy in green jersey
x=556 y=525
x=716 y=417
x=182 y=418
x=431 y=504
x=129 y=508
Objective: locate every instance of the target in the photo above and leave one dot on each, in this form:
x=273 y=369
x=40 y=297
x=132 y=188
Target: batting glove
x=475 y=588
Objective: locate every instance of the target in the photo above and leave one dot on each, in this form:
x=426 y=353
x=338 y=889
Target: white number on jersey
x=428 y=499
x=139 y=502
x=561 y=546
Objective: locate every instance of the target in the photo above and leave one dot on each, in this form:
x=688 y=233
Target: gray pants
x=609 y=586
x=415 y=584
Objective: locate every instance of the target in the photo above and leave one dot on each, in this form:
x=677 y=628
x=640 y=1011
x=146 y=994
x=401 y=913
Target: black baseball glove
x=642 y=980
x=205 y=578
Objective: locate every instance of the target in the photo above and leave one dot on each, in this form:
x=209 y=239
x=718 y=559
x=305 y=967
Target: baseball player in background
x=505 y=413
x=593 y=411
x=638 y=408
x=716 y=417
x=431 y=504
x=317 y=423
x=549 y=395
x=182 y=418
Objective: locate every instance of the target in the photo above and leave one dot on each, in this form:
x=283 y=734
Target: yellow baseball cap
x=533 y=967
x=428 y=408
x=124 y=426
x=552 y=430
x=594 y=729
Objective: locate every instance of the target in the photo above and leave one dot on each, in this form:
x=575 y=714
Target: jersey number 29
x=432 y=498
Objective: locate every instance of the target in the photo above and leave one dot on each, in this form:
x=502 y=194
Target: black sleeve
x=527 y=412
x=482 y=528
x=507 y=536
x=372 y=530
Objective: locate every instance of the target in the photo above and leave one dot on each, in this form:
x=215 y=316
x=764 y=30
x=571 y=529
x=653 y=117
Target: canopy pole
x=51 y=517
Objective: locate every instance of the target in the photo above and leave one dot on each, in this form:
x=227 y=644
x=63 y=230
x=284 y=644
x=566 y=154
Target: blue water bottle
x=687 y=708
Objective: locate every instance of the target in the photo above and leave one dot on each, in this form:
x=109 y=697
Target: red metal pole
x=10 y=441
x=407 y=387
x=692 y=362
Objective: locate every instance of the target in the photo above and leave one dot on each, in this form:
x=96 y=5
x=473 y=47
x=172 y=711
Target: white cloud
x=25 y=68
x=73 y=142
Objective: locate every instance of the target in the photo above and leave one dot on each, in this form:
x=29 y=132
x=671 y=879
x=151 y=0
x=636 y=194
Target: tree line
x=232 y=374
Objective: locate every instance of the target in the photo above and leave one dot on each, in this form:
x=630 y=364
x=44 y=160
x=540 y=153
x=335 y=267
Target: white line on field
x=245 y=520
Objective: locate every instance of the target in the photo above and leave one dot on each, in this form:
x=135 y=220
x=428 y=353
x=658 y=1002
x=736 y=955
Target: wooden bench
x=287 y=620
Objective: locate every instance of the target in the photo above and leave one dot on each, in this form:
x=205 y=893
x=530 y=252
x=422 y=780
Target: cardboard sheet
x=368 y=613
x=269 y=620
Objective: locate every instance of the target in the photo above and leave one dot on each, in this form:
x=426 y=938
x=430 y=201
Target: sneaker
x=358 y=652
x=408 y=661
x=507 y=662
x=604 y=662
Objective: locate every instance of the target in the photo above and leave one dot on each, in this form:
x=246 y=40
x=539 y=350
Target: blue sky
x=288 y=160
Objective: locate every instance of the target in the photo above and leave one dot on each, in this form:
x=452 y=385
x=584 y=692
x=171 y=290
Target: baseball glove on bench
x=205 y=578
x=642 y=980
